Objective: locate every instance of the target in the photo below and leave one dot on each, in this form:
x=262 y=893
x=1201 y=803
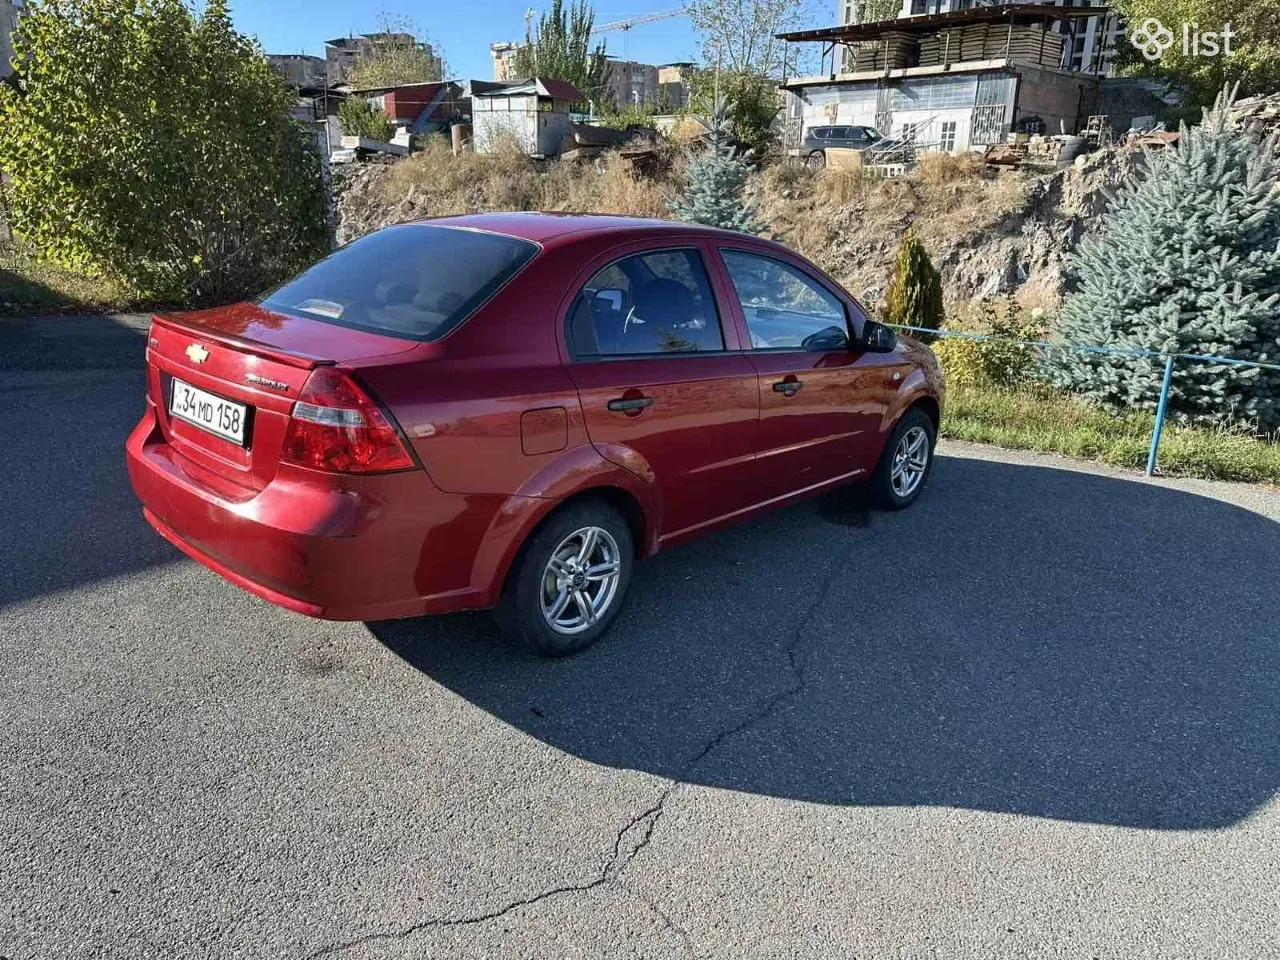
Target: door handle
x=626 y=404
x=789 y=387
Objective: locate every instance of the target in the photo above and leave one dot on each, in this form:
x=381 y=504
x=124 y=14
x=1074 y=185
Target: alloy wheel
x=910 y=461
x=580 y=580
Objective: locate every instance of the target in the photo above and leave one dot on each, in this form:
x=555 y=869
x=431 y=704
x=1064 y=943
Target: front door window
x=784 y=308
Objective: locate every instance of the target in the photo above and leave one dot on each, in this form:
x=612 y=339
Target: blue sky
x=463 y=28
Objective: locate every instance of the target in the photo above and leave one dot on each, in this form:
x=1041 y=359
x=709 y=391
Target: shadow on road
x=1024 y=640
x=71 y=388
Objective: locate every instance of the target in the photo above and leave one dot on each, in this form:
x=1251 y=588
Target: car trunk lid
x=248 y=365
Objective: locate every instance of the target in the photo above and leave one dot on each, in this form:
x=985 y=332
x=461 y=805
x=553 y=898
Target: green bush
x=360 y=118
x=752 y=100
x=915 y=289
x=153 y=146
x=1002 y=359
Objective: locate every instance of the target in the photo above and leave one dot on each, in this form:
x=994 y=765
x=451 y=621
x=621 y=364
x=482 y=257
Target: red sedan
x=508 y=410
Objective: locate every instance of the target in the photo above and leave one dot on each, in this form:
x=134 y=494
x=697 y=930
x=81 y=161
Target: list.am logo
x=1153 y=38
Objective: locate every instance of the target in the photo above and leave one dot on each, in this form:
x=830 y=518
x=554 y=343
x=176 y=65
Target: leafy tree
x=871 y=10
x=153 y=146
x=397 y=57
x=361 y=119
x=560 y=48
x=716 y=191
x=1189 y=263
x=1254 y=62
x=914 y=298
x=752 y=101
x=740 y=36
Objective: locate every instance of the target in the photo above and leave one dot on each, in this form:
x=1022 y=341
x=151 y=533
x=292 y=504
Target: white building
x=952 y=81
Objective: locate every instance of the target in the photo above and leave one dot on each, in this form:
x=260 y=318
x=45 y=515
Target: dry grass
x=850 y=223
x=947 y=167
x=508 y=180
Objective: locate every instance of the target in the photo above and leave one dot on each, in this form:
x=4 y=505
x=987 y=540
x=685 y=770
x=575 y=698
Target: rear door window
x=649 y=303
x=413 y=281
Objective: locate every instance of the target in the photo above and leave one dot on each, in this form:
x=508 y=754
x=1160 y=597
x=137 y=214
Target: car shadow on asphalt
x=1024 y=640
x=74 y=388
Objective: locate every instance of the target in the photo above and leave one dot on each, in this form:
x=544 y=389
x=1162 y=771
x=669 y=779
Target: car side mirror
x=878 y=338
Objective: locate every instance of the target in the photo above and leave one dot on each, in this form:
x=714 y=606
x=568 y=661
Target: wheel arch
x=932 y=409
x=582 y=476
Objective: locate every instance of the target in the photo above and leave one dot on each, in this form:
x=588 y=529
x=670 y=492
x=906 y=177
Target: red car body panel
x=506 y=427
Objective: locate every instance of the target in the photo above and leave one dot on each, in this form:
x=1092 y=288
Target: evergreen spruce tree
x=915 y=289
x=1189 y=262
x=717 y=180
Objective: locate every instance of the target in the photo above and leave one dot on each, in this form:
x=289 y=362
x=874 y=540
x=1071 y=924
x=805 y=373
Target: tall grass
x=1037 y=418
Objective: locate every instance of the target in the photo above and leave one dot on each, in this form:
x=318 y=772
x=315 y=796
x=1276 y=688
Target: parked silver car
x=818 y=139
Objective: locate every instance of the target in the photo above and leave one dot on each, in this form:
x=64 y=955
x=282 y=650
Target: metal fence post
x=1160 y=411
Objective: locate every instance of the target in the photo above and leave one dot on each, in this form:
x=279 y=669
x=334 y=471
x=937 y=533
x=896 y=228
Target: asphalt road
x=1037 y=715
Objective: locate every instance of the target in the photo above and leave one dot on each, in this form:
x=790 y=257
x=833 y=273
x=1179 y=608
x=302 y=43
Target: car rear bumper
x=339 y=548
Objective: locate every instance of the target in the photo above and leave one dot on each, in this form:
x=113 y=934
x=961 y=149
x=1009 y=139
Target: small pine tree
x=716 y=191
x=915 y=289
x=1189 y=263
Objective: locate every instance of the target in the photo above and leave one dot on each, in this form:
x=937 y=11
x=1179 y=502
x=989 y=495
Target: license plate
x=207 y=411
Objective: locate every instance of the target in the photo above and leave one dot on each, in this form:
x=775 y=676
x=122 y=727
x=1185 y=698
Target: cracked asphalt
x=1037 y=715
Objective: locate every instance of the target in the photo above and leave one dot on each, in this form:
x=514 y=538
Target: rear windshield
x=414 y=281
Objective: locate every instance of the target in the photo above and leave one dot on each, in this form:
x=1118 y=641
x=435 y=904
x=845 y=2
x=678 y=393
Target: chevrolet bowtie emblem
x=197 y=353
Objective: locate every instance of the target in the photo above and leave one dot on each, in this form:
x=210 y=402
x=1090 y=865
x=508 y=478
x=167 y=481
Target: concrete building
x=674 y=83
x=951 y=81
x=503 y=54
x=343 y=53
x=1092 y=43
x=9 y=11
x=298 y=69
x=631 y=82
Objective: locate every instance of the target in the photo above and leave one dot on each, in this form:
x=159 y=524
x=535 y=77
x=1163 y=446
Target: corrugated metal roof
x=543 y=87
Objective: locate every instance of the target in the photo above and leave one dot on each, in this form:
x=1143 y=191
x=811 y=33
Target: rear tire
x=906 y=463
x=570 y=580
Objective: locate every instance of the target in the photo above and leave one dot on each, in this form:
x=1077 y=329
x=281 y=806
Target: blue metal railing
x=1162 y=405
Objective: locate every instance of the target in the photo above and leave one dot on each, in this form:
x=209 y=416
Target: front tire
x=568 y=584
x=817 y=159
x=906 y=462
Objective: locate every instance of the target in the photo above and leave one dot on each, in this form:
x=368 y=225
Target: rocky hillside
x=988 y=236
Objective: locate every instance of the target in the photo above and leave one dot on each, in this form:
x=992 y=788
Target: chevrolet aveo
x=507 y=411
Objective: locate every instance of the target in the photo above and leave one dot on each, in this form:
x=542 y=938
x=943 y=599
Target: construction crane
x=626 y=25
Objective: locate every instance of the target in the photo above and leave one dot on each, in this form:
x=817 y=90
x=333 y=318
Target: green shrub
x=915 y=289
x=961 y=360
x=360 y=118
x=151 y=145
x=1002 y=359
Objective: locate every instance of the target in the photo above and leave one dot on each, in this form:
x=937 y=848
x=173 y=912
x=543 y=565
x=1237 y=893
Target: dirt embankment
x=988 y=236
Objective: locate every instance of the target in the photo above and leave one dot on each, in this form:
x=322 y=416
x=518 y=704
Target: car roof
x=542 y=227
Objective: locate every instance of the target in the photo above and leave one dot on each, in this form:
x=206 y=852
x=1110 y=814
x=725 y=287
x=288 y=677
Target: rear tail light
x=336 y=426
